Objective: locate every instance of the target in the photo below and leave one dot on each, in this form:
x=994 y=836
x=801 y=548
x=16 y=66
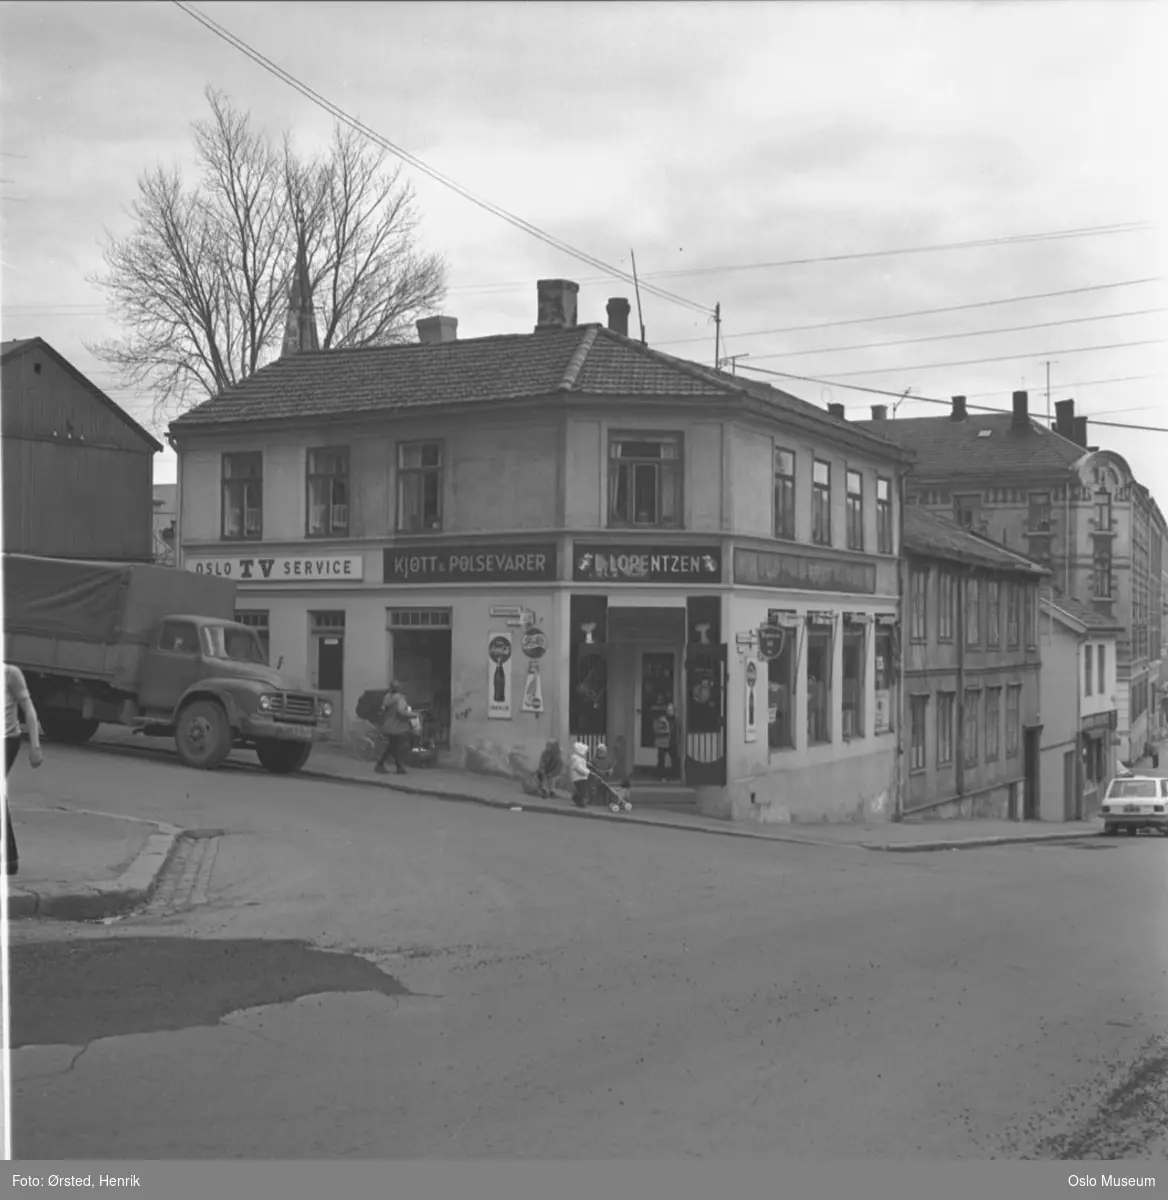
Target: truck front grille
x=294 y=707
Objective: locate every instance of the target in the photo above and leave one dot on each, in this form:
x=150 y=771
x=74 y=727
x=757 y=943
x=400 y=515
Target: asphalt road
x=550 y=988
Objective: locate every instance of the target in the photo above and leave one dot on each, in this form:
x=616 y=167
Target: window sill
x=418 y=532
x=241 y=541
x=632 y=528
x=321 y=537
x=918 y=771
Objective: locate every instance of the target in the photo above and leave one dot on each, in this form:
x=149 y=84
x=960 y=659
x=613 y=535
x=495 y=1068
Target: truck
x=156 y=649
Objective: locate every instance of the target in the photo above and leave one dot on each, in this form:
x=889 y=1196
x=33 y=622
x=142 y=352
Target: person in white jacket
x=578 y=769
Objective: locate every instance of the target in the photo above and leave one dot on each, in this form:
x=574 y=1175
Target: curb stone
x=528 y=805
x=92 y=902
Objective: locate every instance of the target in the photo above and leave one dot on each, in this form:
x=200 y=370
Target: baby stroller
x=604 y=788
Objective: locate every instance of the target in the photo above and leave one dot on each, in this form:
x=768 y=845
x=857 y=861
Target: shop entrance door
x=654 y=686
x=327 y=665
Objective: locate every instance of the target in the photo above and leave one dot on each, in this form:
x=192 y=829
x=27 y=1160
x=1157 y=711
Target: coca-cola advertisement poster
x=499 y=652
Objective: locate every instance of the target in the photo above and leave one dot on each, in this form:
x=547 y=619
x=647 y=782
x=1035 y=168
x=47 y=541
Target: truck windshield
x=234 y=645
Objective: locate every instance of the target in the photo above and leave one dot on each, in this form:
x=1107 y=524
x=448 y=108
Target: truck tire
x=282 y=758
x=202 y=735
x=67 y=727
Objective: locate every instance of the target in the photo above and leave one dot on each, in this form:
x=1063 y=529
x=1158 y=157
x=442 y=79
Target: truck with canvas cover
x=156 y=649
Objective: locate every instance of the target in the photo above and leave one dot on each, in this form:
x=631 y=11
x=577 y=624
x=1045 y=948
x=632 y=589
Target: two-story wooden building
x=972 y=671
x=78 y=469
x=554 y=534
x=1074 y=508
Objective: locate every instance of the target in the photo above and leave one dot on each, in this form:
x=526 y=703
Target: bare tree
x=201 y=283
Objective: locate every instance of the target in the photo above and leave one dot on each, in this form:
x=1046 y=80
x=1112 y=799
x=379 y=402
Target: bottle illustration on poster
x=499 y=676
x=751 y=723
x=533 y=690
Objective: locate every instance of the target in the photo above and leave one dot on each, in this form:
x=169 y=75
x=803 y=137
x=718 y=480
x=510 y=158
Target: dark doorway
x=1032 y=780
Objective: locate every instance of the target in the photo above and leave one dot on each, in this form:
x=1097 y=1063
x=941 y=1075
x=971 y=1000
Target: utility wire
x=948 y=403
x=945 y=337
x=928 y=312
x=399 y=152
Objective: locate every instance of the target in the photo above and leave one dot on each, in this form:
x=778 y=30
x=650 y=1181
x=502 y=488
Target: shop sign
x=444 y=563
x=1103 y=720
x=281 y=569
x=627 y=564
x=534 y=643
x=762 y=568
x=770 y=642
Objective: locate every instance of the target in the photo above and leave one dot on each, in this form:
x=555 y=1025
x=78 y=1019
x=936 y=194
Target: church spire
x=300 y=327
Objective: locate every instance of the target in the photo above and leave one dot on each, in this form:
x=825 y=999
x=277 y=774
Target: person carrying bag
x=398 y=722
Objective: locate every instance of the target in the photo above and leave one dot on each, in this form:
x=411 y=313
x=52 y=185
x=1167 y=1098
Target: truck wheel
x=68 y=728
x=282 y=758
x=202 y=735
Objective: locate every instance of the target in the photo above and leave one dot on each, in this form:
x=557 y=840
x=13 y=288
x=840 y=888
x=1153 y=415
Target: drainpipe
x=900 y=773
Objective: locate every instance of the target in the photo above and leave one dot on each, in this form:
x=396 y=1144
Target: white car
x=1135 y=802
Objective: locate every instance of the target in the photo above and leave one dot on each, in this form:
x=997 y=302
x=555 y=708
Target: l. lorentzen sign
x=281 y=569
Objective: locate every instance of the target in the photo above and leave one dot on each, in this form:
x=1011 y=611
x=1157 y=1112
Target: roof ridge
x=579 y=357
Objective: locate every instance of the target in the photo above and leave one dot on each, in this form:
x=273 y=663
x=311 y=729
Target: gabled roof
x=1079 y=616
x=928 y=535
x=945 y=448
x=19 y=346
x=585 y=360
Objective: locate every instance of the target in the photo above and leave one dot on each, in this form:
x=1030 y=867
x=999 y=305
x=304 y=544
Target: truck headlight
x=265 y=704
x=324 y=709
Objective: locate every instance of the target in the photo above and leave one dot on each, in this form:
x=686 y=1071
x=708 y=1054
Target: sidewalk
x=77 y=865
x=336 y=762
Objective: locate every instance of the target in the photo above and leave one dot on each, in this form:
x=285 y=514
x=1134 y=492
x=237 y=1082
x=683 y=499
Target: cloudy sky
x=719 y=141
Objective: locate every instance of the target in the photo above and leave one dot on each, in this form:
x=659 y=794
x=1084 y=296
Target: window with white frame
x=973 y=612
x=243 y=496
x=328 y=491
x=419 y=486
x=971 y=705
x=884 y=516
x=945 y=708
x=918 y=716
x=945 y=605
x=993 y=723
x=821 y=503
x=993 y=613
x=1013 y=720
x=784 y=493
x=645 y=480
x=855 y=509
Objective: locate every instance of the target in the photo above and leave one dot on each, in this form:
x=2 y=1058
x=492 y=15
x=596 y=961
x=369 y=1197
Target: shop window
x=821 y=503
x=1088 y=664
x=884 y=516
x=257 y=619
x=644 y=480
x=328 y=492
x=918 y=713
x=419 y=487
x=781 y=694
x=993 y=724
x=972 y=705
x=919 y=626
x=1013 y=720
x=945 y=605
x=993 y=613
x=854 y=483
x=818 y=685
x=853 y=681
x=945 y=706
x=243 y=496
x=973 y=612
x=784 y=493
x=884 y=717
x=1012 y=633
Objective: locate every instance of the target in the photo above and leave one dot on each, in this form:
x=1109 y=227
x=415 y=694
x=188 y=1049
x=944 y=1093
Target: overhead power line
x=399 y=152
x=946 y=337
x=926 y=312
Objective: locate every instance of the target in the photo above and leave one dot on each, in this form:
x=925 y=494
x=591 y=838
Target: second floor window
x=855 y=485
x=1088 y=663
x=973 y=612
x=419 y=487
x=1039 y=512
x=328 y=492
x=243 y=495
x=919 y=624
x=784 y=494
x=1101 y=582
x=1030 y=616
x=945 y=607
x=821 y=503
x=1101 y=674
x=884 y=516
x=993 y=613
x=1012 y=597
x=644 y=480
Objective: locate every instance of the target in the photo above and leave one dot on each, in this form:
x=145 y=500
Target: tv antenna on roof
x=907 y=392
x=637 y=289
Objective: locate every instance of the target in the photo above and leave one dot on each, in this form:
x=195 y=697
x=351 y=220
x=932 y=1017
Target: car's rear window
x=1134 y=789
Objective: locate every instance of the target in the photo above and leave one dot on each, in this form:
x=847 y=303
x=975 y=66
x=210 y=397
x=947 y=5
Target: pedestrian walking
x=397 y=726
x=665 y=739
x=16 y=698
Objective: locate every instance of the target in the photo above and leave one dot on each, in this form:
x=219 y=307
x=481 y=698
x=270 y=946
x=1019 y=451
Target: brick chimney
x=958 y=413
x=879 y=412
x=1080 y=438
x=837 y=410
x=557 y=304
x=618 y=315
x=432 y=330
x=1064 y=419
x=1021 y=418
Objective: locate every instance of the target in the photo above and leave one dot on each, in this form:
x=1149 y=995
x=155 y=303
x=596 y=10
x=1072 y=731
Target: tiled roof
x=9 y=350
x=933 y=536
x=945 y=448
x=1084 y=614
x=583 y=360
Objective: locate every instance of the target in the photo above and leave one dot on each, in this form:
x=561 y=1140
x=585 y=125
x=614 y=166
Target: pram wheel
x=614 y=807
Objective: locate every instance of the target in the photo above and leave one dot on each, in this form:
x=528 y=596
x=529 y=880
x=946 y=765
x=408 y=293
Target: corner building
x=554 y=534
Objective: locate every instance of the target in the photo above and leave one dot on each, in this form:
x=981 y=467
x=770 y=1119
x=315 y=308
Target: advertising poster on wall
x=533 y=689
x=499 y=676
x=750 y=726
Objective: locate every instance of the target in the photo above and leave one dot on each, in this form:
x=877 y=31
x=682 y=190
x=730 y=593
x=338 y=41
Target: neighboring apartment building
x=1073 y=508
x=553 y=535
x=1078 y=709
x=972 y=667
x=78 y=470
